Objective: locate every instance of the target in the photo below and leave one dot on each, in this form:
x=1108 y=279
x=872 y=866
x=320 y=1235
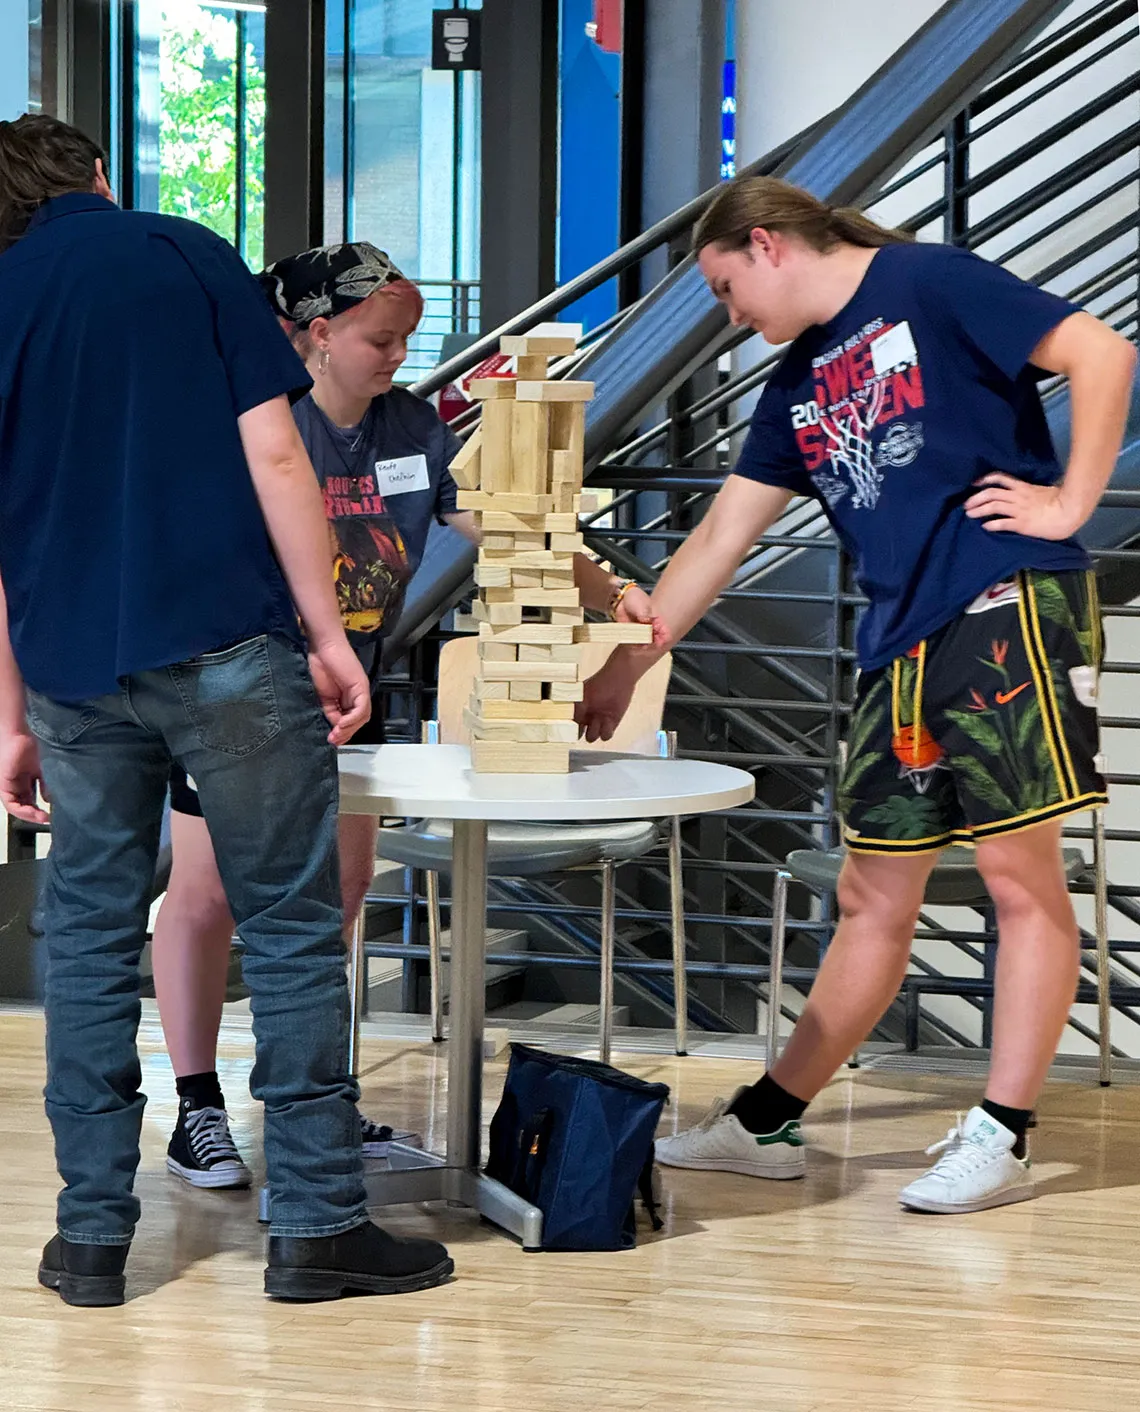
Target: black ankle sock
x=766 y=1107
x=202 y=1090
x=1017 y=1120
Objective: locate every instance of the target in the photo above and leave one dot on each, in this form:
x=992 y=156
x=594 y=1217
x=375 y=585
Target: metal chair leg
x=357 y=980
x=1103 y=958
x=776 y=963
x=606 y=1007
x=677 y=907
x=435 y=955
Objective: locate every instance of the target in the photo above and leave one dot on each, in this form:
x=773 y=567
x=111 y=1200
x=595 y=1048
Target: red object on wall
x=607 y=21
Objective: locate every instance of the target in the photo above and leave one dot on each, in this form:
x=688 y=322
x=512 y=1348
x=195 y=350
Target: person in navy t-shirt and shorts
x=907 y=405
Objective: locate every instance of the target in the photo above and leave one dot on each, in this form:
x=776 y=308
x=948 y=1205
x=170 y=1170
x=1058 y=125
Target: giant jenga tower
x=522 y=475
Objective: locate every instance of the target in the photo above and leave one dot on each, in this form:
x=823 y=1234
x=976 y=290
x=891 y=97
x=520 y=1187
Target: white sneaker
x=977 y=1170
x=721 y=1143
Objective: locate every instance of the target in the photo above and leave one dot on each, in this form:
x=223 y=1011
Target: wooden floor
x=819 y=1294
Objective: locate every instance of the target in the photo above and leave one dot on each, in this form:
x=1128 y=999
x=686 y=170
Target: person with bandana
x=382 y=456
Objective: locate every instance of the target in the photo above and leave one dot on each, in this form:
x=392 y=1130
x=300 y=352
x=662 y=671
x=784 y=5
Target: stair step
x=385 y=973
x=588 y=1016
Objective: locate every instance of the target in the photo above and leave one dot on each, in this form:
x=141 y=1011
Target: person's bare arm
x=290 y=498
x=465 y=523
x=20 y=776
x=699 y=571
x=1100 y=366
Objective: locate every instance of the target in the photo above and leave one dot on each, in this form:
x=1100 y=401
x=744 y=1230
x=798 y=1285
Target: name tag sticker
x=894 y=350
x=403 y=474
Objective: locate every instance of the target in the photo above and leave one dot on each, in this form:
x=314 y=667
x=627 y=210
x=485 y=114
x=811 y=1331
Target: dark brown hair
x=40 y=157
x=749 y=203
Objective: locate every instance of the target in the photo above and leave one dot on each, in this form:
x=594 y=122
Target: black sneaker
x=202 y=1151
x=365 y=1260
x=90 y=1276
x=376 y=1138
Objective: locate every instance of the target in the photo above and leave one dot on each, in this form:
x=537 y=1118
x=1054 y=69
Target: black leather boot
x=364 y=1260
x=88 y=1275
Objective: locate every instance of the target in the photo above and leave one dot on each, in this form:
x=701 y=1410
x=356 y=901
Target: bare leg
x=879 y=901
x=1038 y=959
x=192 y=937
x=357 y=863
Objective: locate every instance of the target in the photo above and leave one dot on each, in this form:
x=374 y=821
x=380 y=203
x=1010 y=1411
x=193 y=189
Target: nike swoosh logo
x=1003 y=698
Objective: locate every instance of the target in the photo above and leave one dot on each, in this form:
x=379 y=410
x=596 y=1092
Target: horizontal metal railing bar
x=1111 y=835
x=1079 y=253
x=938 y=160
x=750 y=760
x=777 y=541
x=1045 y=53
x=817 y=654
x=1120 y=272
x=1058 y=186
x=759 y=703
x=1079 y=68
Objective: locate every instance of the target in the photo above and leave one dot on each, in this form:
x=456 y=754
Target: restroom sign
x=456 y=39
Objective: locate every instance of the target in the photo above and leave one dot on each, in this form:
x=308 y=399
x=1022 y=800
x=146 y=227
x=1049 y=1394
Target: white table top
x=419 y=781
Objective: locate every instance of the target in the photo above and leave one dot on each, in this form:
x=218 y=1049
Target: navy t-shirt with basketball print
x=891 y=412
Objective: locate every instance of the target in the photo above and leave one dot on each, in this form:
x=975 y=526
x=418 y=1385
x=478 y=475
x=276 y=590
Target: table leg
x=413 y=1175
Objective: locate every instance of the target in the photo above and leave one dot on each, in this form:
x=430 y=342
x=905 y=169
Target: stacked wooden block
x=522 y=474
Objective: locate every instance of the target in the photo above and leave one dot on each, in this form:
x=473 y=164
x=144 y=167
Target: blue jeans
x=246 y=726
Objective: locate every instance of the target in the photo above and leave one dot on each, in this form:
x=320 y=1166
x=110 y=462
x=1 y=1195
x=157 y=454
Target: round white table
x=437 y=781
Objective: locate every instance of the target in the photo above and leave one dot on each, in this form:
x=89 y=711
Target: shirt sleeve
x=448 y=491
x=770 y=454
x=260 y=362
x=994 y=313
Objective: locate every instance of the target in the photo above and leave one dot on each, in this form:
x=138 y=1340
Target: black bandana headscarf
x=321 y=283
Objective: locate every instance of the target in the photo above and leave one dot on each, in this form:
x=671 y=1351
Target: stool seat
x=955 y=880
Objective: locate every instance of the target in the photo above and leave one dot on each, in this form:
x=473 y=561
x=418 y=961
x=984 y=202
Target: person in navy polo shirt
x=907 y=406
x=153 y=585
x=381 y=455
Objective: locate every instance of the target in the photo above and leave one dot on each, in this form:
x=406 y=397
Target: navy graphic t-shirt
x=384 y=482
x=889 y=413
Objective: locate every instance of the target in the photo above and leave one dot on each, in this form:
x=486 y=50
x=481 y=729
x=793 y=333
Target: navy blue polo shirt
x=890 y=413
x=130 y=534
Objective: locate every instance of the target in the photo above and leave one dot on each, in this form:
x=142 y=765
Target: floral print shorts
x=987 y=727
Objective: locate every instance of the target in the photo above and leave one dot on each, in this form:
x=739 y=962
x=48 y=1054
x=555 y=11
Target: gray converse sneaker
x=721 y=1143
x=977 y=1170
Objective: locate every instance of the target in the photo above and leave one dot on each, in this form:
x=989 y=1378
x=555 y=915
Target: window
x=200 y=148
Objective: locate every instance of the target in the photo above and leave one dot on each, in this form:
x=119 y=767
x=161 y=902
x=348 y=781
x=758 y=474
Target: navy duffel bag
x=575 y=1138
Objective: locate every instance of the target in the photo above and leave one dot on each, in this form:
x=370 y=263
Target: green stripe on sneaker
x=788 y=1134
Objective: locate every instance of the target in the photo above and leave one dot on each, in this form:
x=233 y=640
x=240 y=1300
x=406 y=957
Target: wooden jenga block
x=548 y=344
x=521 y=693
x=567 y=691
x=534 y=506
x=529 y=710
x=532 y=367
x=493 y=757
x=567 y=543
x=533 y=597
x=530 y=458
x=492 y=575
x=491 y=690
x=493 y=389
x=510 y=543
x=466 y=468
x=526 y=578
x=531 y=671
x=565 y=469
x=513 y=728
x=497 y=520
x=495 y=456
x=499 y=652
x=545 y=559
x=503 y=615
x=564 y=617
x=635 y=633
x=546 y=634
x=558 y=578
x=529 y=652
x=559 y=391
x=568 y=429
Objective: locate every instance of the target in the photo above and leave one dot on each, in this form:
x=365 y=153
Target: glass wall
x=200 y=116
x=19 y=56
x=402 y=158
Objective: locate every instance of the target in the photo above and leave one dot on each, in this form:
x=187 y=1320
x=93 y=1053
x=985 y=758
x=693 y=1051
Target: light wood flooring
x=800 y=1296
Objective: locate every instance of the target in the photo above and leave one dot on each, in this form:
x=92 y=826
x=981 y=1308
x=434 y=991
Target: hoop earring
x=323 y=361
